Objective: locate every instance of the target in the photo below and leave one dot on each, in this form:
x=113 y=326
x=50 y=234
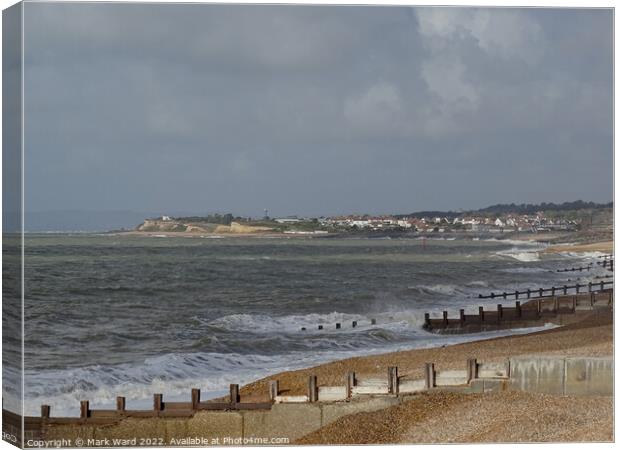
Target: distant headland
x=578 y=216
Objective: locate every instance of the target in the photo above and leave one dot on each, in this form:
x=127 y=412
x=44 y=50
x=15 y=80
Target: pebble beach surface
x=592 y=336
x=444 y=417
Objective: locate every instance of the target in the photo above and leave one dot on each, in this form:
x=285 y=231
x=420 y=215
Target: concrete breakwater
x=286 y=418
x=561 y=309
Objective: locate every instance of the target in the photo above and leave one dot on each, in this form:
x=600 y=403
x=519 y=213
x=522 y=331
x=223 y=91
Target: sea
x=111 y=315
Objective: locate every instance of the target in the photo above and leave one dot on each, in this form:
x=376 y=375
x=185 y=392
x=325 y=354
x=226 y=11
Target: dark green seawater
x=110 y=315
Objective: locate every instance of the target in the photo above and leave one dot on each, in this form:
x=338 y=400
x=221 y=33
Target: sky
x=314 y=110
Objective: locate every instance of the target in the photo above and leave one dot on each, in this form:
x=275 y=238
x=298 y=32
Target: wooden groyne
x=551 y=291
x=35 y=427
x=293 y=416
x=577 y=269
x=528 y=294
x=608 y=263
x=532 y=313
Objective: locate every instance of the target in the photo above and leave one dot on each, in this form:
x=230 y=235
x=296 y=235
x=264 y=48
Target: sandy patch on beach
x=593 y=336
x=604 y=247
x=443 y=417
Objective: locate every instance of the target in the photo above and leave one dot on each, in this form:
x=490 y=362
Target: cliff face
x=236 y=227
x=151 y=225
x=161 y=225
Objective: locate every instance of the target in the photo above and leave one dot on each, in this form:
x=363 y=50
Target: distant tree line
x=523 y=208
x=220 y=219
x=527 y=208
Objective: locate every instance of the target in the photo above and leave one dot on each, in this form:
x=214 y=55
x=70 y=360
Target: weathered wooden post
x=395 y=386
x=481 y=313
x=158 y=402
x=540 y=292
x=472 y=369
x=84 y=409
x=45 y=411
x=354 y=324
x=529 y=293
x=499 y=313
x=577 y=286
x=565 y=289
x=518 y=309
x=602 y=285
x=429 y=375
x=445 y=318
x=574 y=303
x=427 y=320
x=504 y=295
x=538 y=308
x=120 y=404
x=516 y=295
x=274 y=390
x=590 y=286
x=350 y=382
x=234 y=394
x=313 y=389
x=195 y=399
x=556 y=305
x=393 y=380
x=462 y=316
x=553 y=291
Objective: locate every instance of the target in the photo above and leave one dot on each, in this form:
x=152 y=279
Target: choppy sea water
x=110 y=315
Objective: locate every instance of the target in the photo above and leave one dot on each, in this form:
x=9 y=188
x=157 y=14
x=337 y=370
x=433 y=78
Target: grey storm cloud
x=314 y=109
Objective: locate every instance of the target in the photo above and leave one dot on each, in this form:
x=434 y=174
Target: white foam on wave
x=524 y=270
x=520 y=254
x=445 y=289
x=450 y=289
x=262 y=323
x=478 y=283
x=174 y=375
x=516 y=242
x=583 y=255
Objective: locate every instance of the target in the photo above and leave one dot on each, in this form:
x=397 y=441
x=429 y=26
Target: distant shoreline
x=605 y=247
x=558 y=242
x=202 y=234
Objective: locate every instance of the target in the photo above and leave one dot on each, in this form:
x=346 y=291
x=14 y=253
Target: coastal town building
x=437 y=224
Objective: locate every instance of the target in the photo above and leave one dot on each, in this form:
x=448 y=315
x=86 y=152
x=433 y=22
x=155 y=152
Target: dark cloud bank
x=314 y=109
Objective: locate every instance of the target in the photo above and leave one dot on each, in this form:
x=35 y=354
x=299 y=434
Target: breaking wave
x=520 y=254
x=175 y=374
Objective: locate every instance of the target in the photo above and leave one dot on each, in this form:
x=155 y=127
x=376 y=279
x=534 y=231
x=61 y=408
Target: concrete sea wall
x=563 y=376
x=286 y=422
x=281 y=424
